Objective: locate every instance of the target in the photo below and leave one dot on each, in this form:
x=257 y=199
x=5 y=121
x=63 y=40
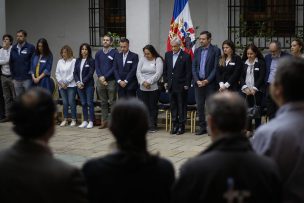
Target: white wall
x=2 y=18
x=59 y=21
x=142 y=24
x=211 y=15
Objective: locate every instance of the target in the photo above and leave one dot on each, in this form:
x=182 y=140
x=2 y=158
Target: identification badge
x=232 y=64
x=87 y=65
x=110 y=57
x=23 y=52
x=129 y=61
x=42 y=61
x=256 y=69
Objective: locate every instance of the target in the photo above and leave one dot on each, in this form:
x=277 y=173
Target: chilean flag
x=182 y=27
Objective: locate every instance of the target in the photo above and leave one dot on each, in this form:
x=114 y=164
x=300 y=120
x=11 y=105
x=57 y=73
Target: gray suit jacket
x=283 y=140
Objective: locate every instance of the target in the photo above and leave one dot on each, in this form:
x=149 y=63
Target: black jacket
x=259 y=73
x=180 y=75
x=119 y=178
x=29 y=173
x=229 y=164
x=230 y=73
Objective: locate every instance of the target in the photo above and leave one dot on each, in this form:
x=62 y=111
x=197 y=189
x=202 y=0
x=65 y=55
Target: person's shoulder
x=97 y=164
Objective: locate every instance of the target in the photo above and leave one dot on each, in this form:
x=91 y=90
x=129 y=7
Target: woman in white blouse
x=66 y=83
x=253 y=80
x=149 y=71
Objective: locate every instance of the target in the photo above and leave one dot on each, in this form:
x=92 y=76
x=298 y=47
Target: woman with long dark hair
x=149 y=71
x=229 y=69
x=253 y=80
x=83 y=75
x=130 y=174
x=41 y=65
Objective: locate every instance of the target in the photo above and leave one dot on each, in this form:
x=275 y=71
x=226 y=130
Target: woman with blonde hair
x=66 y=83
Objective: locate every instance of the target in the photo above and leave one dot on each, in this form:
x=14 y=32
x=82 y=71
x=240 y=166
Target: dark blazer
x=230 y=73
x=228 y=165
x=127 y=71
x=268 y=60
x=45 y=67
x=180 y=75
x=259 y=72
x=20 y=64
x=29 y=173
x=212 y=61
x=121 y=178
x=87 y=71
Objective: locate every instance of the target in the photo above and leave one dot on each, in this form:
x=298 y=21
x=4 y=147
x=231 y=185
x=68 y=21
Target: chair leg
x=166 y=112
x=170 y=120
x=194 y=121
x=191 y=121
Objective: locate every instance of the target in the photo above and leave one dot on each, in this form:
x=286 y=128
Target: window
x=106 y=16
x=261 y=21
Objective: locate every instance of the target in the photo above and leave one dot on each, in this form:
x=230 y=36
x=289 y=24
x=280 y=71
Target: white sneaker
x=73 y=123
x=83 y=124
x=63 y=123
x=90 y=125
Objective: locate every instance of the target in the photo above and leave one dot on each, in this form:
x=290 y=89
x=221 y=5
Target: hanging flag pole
x=181 y=26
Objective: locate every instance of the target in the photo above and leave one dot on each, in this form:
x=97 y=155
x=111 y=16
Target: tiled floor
x=75 y=145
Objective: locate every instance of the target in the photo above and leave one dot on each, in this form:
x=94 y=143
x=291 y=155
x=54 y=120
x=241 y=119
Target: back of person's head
x=33 y=114
x=228 y=112
x=290 y=76
x=129 y=125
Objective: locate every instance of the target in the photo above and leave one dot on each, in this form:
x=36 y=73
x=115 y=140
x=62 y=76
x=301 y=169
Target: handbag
x=255 y=111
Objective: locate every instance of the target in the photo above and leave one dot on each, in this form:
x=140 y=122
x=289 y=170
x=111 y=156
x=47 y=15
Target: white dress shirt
x=4 y=61
x=64 y=72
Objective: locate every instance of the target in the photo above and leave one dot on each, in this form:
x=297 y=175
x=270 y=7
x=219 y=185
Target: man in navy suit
x=177 y=78
x=125 y=65
x=271 y=60
x=205 y=62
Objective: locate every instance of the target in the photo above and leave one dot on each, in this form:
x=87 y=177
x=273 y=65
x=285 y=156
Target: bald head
x=227 y=112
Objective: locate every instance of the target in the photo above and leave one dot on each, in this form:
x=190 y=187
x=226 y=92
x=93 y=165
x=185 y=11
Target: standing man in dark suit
x=125 y=65
x=28 y=170
x=205 y=62
x=177 y=78
x=271 y=60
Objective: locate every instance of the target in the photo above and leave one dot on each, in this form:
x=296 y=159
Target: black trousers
x=124 y=92
x=2 y=108
x=201 y=95
x=178 y=106
x=270 y=104
x=150 y=99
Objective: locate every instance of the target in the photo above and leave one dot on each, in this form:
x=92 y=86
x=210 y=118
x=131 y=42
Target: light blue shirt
x=273 y=69
x=282 y=140
x=175 y=56
x=204 y=54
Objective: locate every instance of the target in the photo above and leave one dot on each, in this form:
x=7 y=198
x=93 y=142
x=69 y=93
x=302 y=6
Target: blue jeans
x=21 y=86
x=68 y=99
x=86 y=98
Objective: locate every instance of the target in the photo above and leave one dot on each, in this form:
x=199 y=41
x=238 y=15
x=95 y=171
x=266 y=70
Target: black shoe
x=180 y=131
x=201 y=132
x=152 y=130
x=4 y=120
x=174 y=130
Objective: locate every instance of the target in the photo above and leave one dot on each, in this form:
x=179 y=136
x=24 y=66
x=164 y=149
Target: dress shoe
x=104 y=124
x=174 y=130
x=201 y=132
x=180 y=131
x=4 y=120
